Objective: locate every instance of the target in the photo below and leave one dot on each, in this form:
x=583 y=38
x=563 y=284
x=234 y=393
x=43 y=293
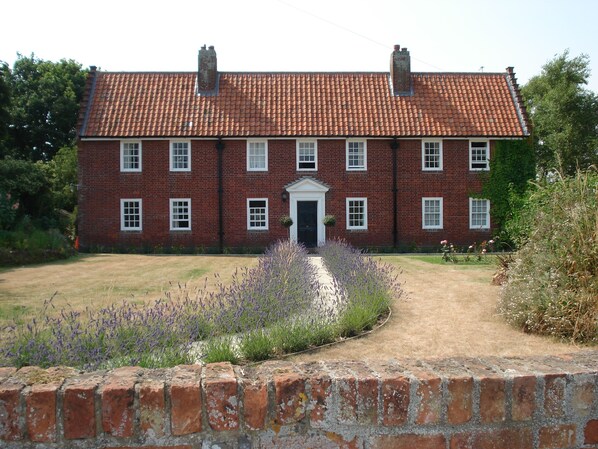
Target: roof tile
x=302 y=104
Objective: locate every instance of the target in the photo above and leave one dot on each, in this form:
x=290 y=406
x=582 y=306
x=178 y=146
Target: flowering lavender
x=367 y=287
x=277 y=307
x=283 y=285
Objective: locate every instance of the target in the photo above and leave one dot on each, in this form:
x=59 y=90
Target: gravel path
x=328 y=290
x=446 y=311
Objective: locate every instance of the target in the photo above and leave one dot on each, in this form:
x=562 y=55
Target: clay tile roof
x=303 y=104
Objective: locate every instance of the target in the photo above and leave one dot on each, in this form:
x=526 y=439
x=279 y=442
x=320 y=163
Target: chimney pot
x=207 y=72
x=400 y=72
x=397 y=47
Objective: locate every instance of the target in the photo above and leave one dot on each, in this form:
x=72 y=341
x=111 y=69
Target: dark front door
x=307 y=223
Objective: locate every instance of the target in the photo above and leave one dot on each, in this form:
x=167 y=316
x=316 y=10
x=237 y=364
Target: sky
x=303 y=35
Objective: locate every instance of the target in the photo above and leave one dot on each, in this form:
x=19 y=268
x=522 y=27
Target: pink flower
x=491 y=242
x=470 y=246
x=484 y=251
x=443 y=242
x=15 y=206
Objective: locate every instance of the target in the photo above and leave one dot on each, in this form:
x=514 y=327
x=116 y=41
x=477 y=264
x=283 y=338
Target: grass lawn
x=488 y=259
x=97 y=280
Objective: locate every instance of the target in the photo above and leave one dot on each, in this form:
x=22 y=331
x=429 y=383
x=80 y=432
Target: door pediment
x=307 y=184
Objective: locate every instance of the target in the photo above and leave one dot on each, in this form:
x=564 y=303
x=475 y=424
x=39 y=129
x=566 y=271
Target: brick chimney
x=400 y=72
x=207 y=72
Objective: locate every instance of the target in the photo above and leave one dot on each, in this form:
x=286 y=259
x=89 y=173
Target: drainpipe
x=220 y=150
x=394 y=145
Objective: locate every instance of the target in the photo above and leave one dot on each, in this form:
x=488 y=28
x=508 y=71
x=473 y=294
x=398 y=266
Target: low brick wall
x=514 y=403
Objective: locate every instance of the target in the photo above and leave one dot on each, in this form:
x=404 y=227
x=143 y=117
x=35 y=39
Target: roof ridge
x=123 y=72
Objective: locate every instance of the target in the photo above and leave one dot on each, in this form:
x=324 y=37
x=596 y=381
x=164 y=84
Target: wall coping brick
x=461 y=403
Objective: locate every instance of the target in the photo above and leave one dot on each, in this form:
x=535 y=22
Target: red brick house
x=213 y=159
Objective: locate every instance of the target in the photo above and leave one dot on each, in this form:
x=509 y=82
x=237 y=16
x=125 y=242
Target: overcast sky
x=303 y=35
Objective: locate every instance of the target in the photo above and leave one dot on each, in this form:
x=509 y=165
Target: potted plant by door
x=286 y=221
x=329 y=220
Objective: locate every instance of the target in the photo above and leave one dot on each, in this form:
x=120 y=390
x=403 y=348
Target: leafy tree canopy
x=564 y=115
x=26 y=182
x=45 y=104
x=4 y=106
x=62 y=175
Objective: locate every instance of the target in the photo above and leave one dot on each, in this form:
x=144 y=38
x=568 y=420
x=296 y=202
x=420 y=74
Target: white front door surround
x=308 y=189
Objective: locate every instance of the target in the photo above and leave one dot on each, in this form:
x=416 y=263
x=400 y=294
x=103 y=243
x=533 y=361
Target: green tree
x=27 y=183
x=62 y=175
x=564 y=115
x=4 y=108
x=511 y=167
x=45 y=106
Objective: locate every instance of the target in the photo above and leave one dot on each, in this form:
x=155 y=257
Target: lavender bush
x=125 y=334
x=366 y=287
x=275 y=308
x=283 y=285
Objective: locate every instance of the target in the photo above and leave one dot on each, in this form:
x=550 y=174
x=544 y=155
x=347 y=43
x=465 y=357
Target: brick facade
x=218 y=113
x=102 y=185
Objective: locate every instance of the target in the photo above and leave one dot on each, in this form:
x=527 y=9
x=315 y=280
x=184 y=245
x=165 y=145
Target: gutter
x=394 y=145
x=220 y=151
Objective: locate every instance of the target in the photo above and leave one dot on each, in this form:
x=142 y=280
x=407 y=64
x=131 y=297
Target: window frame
x=471 y=162
x=267 y=218
x=171 y=221
x=363 y=167
x=365 y=213
x=440 y=156
x=298 y=144
x=122 y=156
x=254 y=141
x=441 y=212
x=171 y=156
x=487 y=215
x=122 y=215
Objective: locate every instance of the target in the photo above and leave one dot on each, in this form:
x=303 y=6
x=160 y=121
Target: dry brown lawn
x=97 y=280
x=446 y=310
